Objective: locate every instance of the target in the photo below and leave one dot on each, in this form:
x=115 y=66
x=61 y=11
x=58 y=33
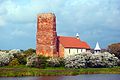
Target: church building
x=49 y=44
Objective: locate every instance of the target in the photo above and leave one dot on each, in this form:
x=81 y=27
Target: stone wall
x=61 y=50
x=46 y=36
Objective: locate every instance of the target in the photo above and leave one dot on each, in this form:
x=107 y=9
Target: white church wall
x=73 y=51
x=83 y=50
x=66 y=52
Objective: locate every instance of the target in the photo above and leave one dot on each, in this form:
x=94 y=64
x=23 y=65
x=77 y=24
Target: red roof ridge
x=67 y=36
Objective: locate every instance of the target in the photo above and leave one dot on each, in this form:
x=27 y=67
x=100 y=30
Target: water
x=79 y=77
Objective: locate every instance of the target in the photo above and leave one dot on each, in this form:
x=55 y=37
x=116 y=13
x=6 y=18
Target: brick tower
x=46 y=36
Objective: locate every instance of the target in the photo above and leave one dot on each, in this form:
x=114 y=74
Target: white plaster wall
x=73 y=51
x=88 y=51
x=66 y=52
x=79 y=50
x=83 y=50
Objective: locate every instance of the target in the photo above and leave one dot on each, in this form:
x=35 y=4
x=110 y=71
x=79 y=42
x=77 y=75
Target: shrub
x=77 y=61
x=14 y=62
x=14 y=51
x=28 y=52
x=31 y=59
x=21 y=58
x=37 y=61
x=22 y=55
x=103 y=60
x=55 y=62
x=5 y=58
x=84 y=60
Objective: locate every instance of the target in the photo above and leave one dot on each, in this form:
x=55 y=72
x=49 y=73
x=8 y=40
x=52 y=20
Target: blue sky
x=94 y=20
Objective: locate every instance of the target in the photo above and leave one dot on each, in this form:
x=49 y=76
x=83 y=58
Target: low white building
x=71 y=45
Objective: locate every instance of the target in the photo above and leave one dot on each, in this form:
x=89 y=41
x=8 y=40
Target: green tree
x=21 y=58
x=14 y=62
x=28 y=52
x=115 y=49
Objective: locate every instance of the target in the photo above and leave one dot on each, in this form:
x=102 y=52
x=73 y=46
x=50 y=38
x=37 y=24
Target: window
x=77 y=50
x=69 y=51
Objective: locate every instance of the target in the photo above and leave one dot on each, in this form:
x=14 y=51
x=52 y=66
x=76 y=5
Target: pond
x=78 y=77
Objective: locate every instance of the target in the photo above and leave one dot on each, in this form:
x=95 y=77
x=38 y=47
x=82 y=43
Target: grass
x=22 y=70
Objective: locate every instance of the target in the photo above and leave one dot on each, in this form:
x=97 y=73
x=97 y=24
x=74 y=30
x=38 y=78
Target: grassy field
x=22 y=70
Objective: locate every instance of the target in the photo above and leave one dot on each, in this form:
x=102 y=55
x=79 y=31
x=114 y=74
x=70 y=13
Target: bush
x=14 y=62
x=78 y=60
x=31 y=59
x=22 y=55
x=119 y=63
x=84 y=60
x=55 y=62
x=29 y=52
x=21 y=58
x=5 y=58
x=103 y=60
x=14 y=51
x=115 y=49
x=37 y=61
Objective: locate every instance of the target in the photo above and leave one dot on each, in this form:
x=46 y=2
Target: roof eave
x=77 y=47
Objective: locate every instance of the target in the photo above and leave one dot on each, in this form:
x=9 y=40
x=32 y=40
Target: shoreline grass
x=22 y=70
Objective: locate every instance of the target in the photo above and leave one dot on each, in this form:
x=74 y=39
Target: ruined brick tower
x=46 y=36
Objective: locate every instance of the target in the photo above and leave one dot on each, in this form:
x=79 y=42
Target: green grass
x=22 y=70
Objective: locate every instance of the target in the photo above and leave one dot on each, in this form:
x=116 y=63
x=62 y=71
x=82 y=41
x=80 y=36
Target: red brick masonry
x=46 y=36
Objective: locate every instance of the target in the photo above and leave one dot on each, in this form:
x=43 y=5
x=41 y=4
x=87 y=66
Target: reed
x=22 y=70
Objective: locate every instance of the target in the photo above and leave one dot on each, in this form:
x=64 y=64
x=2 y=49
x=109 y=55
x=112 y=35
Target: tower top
x=97 y=47
x=46 y=15
x=77 y=36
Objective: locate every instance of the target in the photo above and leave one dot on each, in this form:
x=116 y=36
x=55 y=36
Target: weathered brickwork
x=46 y=36
x=61 y=50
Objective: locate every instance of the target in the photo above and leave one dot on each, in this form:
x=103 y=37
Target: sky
x=94 y=20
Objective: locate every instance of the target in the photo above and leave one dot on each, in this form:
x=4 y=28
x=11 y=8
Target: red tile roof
x=72 y=42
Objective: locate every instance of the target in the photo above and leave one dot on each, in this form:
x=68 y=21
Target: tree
x=29 y=52
x=115 y=49
x=21 y=58
x=14 y=62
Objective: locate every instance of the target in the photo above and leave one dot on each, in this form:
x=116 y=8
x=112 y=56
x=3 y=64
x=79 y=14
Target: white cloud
x=87 y=17
x=2 y=21
x=19 y=33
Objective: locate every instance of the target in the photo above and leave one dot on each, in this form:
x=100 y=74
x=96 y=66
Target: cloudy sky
x=94 y=20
